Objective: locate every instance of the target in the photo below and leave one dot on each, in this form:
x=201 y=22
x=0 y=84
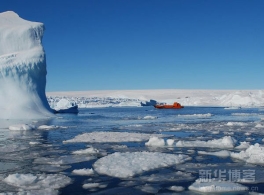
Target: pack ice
x=22 y=69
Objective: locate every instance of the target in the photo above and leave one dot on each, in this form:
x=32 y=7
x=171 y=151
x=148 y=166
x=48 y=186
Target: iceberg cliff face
x=22 y=68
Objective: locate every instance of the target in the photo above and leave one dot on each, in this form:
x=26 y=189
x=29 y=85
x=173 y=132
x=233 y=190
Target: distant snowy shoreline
x=106 y=98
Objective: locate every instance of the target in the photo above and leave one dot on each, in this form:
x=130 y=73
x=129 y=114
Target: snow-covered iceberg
x=22 y=68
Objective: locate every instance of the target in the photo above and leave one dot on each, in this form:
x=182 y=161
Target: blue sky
x=149 y=44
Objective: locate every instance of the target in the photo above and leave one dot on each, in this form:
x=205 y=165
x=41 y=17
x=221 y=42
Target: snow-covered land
x=23 y=68
x=225 y=98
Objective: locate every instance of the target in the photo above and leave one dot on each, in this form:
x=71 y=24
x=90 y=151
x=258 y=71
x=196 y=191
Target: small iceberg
x=66 y=106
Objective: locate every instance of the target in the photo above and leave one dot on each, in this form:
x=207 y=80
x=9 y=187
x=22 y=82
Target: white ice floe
x=254 y=154
x=33 y=192
x=38 y=181
x=196 y=115
x=22 y=127
x=63 y=160
x=167 y=176
x=34 y=143
x=149 y=188
x=47 y=127
x=222 y=153
x=12 y=148
x=170 y=142
x=225 y=142
x=216 y=186
x=259 y=125
x=106 y=136
x=243 y=145
x=51 y=168
x=90 y=150
x=86 y=172
x=94 y=185
x=149 y=117
x=155 y=141
x=176 y=188
x=236 y=124
x=124 y=165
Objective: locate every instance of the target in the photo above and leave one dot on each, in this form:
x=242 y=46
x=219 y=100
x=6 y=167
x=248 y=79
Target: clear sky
x=149 y=44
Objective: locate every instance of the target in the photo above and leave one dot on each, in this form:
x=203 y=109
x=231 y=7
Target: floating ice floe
x=155 y=141
x=62 y=160
x=176 y=188
x=222 y=153
x=66 y=106
x=259 y=125
x=95 y=137
x=166 y=176
x=93 y=186
x=225 y=142
x=243 y=145
x=236 y=124
x=51 y=168
x=254 y=154
x=149 y=117
x=38 y=181
x=196 y=115
x=22 y=127
x=214 y=186
x=149 y=188
x=48 y=127
x=124 y=165
x=12 y=148
x=33 y=192
x=86 y=172
x=90 y=150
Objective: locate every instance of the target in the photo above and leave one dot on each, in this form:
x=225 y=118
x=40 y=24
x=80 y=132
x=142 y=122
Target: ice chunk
x=87 y=151
x=47 y=127
x=222 y=153
x=38 y=181
x=243 y=145
x=84 y=171
x=149 y=188
x=176 y=188
x=155 y=141
x=167 y=176
x=105 y=136
x=23 y=69
x=124 y=165
x=253 y=154
x=225 y=142
x=236 y=124
x=149 y=117
x=51 y=168
x=94 y=185
x=259 y=125
x=170 y=142
x=216 y=186
x=24 y=127
x=196 y=115
x=62 y=160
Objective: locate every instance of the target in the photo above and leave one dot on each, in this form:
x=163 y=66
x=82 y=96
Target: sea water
x=39 y=152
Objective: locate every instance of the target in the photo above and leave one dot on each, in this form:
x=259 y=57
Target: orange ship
x=175 y=105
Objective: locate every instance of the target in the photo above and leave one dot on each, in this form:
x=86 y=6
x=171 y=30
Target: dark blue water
x=190 y=123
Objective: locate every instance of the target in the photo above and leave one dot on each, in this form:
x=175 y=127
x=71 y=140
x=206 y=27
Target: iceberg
x=22 y=69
